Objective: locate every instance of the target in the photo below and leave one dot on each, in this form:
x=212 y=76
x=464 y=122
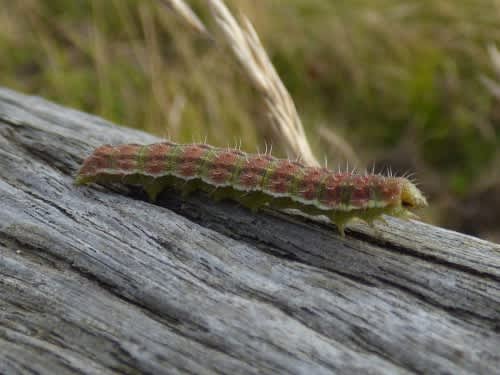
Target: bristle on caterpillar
x=254 y=180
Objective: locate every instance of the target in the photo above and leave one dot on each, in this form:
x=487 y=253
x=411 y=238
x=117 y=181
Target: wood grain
x=99 y=281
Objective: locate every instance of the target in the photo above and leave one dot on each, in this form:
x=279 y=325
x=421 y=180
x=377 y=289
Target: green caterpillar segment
x=254 y=180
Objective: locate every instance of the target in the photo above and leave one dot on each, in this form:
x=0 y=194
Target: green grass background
x=397 y=80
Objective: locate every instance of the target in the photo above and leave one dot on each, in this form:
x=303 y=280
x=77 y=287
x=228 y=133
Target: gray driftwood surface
x=99 y=281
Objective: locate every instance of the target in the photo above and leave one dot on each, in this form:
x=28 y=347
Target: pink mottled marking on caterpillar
x=282 y=176
x=100 y=160
x=308 y=186
x=155 y=160
x=391 y=191
x=126 y=159
x=335 y=187
x=223 y=166
x=189 y=160
x=253 y=171
x=360 y=196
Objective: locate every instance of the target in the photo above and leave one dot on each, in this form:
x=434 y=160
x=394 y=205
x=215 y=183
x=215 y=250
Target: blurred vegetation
x=398 y=80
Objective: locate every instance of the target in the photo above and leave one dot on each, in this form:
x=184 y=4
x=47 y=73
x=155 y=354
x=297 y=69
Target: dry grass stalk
x=245 y=43
x=340 y=146
x=187 y=14
x=492 y=85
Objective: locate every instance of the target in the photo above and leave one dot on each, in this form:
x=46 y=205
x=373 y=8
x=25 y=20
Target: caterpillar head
x=411 y=196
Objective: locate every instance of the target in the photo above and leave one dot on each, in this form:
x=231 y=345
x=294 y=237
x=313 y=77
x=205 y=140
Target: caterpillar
x=254 y=180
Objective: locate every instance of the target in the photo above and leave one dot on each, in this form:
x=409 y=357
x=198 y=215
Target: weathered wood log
x=97 y=280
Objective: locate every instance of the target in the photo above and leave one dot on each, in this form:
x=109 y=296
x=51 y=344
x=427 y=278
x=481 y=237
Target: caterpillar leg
x=187 y=188
x=247 y=200
x=340 y=228
x=253 y=201
x=153 y=189
x=340 y=220
x=219 y=193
